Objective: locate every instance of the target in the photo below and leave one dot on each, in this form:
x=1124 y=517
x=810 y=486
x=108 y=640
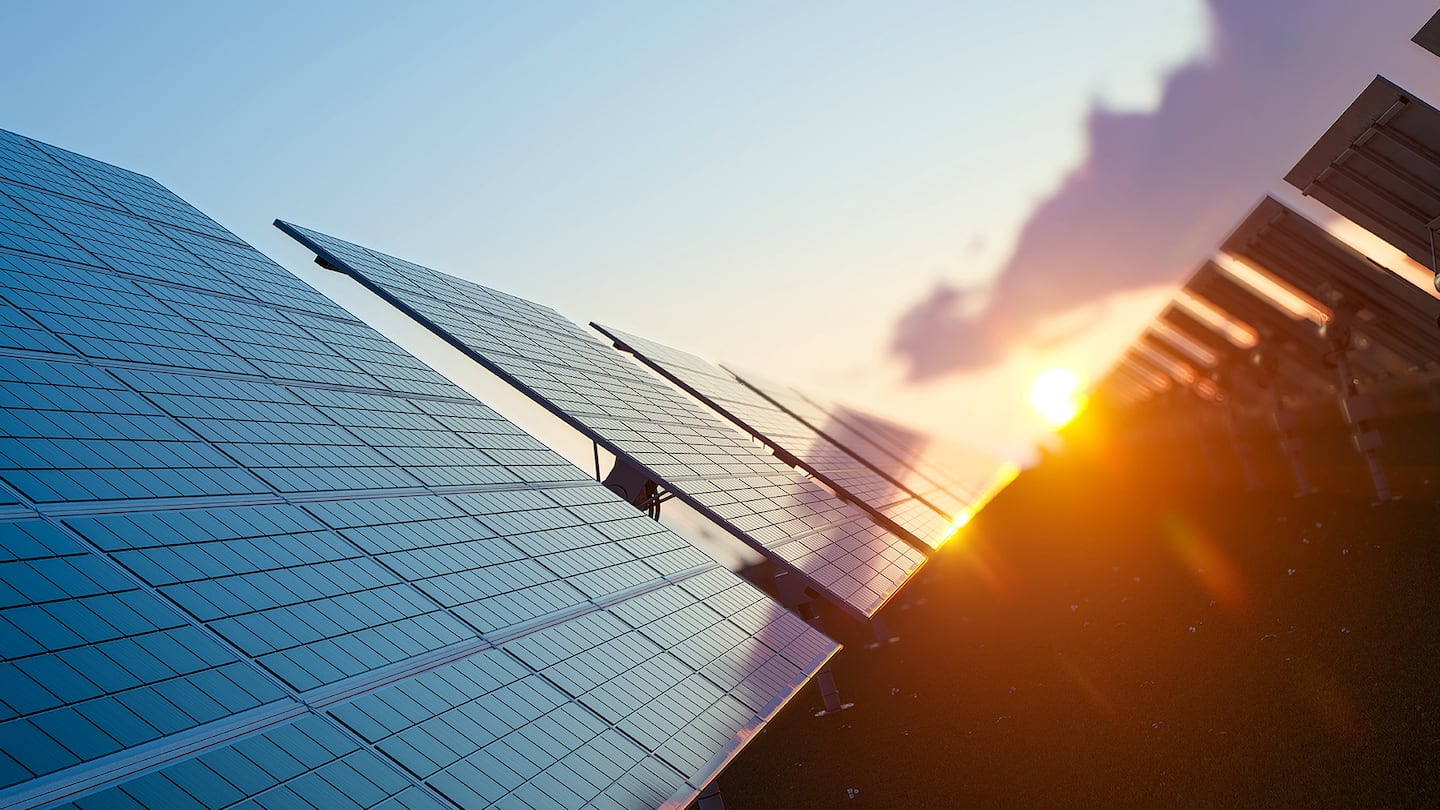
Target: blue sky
x=774 y=185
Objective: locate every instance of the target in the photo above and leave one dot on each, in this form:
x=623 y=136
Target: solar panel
x=1385 y=308
x=957 y=480
x=251 y=552
x=1293 y=336
x=1157 y=343
x=1179 y=374
x=874 y=489
x=1236 y=363
x=673 y=440
x=1127 y=384
x=1280 y=334
x=1379 y=165
x=976 y=477
x=1428 y=37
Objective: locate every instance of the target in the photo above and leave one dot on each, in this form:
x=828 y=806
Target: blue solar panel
x=708 y=464
x=254 y=554
x=95 y=664
x=304 y=763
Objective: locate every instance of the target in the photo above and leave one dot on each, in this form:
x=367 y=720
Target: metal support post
x=881 y=631
x=1242 y=447
x=1359 y=411
x=794 y=596
x=710 y=798
x=1286 y=425
x=1265 y=365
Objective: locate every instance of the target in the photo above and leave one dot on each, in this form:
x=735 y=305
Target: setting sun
x=1056 y=396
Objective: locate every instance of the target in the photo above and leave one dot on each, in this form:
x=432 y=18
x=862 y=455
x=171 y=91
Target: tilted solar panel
x=1379 y=165
x=677 y=442
x=254 y=554
x=1295 y=336
x=886 y=498
x=1393 y=313
x=1291 y=378
x=957 y=482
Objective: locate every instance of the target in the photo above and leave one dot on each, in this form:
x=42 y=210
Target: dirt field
x=1107 y=634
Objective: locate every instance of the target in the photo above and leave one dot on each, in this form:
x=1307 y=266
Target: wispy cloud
x=1156 y=191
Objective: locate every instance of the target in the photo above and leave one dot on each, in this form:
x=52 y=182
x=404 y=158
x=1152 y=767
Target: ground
x=1122 y=632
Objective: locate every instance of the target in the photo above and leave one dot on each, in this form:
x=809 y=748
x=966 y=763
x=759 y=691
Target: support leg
x=710 y=798
x=1359 y=410
x=881 y=631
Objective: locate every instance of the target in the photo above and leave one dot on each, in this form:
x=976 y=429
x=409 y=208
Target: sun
x=1056 y=396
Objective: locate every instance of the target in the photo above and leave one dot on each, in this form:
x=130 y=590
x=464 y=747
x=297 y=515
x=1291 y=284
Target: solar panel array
x=878 y=490
x=709 y=465
x=1377 y=338
x=254 y=554
x=1397 y=318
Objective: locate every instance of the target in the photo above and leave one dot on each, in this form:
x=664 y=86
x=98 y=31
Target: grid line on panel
x=21 y=161
x=136 y=193
x=104 y=687
x=724 y=475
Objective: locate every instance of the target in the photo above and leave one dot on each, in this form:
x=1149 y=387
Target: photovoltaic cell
x=94 y=664
x=231 y=514
x=678 y=442
x=884 y=496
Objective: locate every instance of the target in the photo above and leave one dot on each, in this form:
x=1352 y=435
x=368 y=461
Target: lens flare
x=1208 y=565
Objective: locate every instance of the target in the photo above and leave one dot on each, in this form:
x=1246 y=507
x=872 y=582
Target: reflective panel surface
x=714 y=468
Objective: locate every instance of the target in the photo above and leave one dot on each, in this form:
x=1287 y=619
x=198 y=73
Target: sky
x=912 y=207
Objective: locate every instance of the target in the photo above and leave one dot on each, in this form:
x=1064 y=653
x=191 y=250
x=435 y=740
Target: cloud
x=1157 y=191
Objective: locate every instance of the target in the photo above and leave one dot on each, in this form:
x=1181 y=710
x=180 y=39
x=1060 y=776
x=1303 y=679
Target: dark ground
x=1110 y=632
